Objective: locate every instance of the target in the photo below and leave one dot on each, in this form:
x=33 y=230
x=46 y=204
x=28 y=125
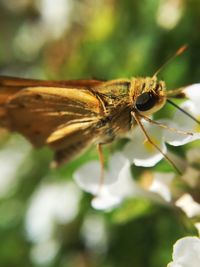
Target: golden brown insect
x=68 y=116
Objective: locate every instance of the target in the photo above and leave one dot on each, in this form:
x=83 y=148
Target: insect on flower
x=68 y=116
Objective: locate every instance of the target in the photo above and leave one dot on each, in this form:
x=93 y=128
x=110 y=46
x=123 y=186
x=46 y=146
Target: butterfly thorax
x=120 y=98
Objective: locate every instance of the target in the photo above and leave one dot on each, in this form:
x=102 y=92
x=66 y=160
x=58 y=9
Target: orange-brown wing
x=71 y=140
x=9 y=86
x=66 y=120
x=19 y=83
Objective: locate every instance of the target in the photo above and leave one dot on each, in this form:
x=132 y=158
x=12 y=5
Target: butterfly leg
x=137 y=118
x=102 y=174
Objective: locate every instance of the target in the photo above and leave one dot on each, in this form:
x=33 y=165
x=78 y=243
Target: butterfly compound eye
x=145 y=101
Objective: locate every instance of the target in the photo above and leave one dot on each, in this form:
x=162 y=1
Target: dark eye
x=145 y=101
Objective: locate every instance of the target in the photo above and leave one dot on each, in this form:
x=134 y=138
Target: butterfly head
x=150 y=95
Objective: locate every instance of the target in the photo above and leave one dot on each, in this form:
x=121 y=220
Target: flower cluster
x=119 y=182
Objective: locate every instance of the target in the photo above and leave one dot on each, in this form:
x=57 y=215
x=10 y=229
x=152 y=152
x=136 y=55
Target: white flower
x=161 y=185
x=174 y=8
x=186 y=253
x=43 y=253
x=55 y=15
x=117 y=184
x=12 y=155
x=93 y=232
x=188 y=205
x=193 y=93
x=182 y=121
x=140 y=151
x=51 y=203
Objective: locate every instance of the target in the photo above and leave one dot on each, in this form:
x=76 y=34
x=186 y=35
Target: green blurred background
x=74 y=39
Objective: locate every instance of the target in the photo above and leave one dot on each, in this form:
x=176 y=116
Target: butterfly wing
x=65 y=118
x=16 y=84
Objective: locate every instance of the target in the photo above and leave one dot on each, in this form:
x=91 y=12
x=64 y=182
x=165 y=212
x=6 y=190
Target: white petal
x=182 y=122
x=43 y=253
x=140 y=151
x=186 y=253
x=173 y=264
x=55 y=15
x=124 y=185
x=193 y=93
x=116 y=164
x=179 y=140
x=105 y=201
x=88 y=176
x=12 y=155
x=161 y=185
x=150 y=161
x=93 y=232
x=188 y=205
x=51 y=203
x=181 y=118
x=115 y=187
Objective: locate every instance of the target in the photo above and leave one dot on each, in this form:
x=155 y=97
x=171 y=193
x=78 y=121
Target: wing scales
x=64 y=117
x=38 y=112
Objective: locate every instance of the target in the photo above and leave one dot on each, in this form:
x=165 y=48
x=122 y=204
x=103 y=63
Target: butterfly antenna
x=180 y=51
